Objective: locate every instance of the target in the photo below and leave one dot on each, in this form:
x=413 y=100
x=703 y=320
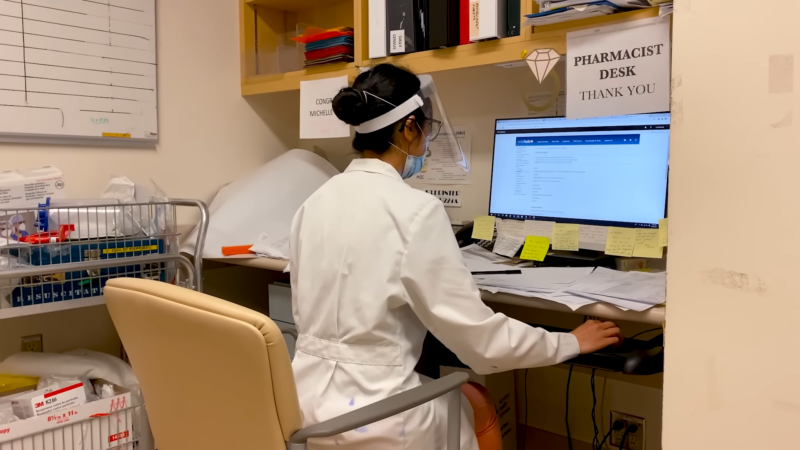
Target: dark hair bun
x=349 y=107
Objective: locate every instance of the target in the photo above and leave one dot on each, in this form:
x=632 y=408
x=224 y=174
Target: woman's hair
x=354 y=105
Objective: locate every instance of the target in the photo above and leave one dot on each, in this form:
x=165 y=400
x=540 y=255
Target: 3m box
x=62 y=286
x=101 y=425
x=28 y=188
x=501 y=389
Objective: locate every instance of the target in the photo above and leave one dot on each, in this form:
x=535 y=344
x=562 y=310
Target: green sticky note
x=484 y=228
x=535 y=248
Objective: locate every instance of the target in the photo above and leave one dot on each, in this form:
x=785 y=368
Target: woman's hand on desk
x=594 y=335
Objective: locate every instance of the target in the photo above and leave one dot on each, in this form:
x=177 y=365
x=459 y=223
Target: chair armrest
x=287 y=328
x=386 y=408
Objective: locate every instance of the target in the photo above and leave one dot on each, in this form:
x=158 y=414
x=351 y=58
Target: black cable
x=525 y=432
x=618 y=425
x=566 y=416
x=595 y=439
x=628 y=430
x=647 y=331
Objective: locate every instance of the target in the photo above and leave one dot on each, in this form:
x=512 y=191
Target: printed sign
x=619 y=70
x=397 y=41
x=317 y=119
x=450 y=197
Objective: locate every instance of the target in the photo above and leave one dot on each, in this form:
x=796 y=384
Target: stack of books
x=327 y=46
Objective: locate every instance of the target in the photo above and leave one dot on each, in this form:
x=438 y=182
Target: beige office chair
x=216 y=375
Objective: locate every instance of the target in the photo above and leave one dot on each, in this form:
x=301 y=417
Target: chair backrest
x=214 y=375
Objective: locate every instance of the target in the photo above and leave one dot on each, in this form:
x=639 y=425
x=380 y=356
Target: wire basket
x=62 y=253
x=117 y=430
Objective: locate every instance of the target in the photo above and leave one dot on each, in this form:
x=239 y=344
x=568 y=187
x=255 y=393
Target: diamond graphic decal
x=542 y=62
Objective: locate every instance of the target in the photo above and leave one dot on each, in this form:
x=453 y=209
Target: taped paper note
x=591 y=234
x=566 y=237
x=538 y=228
x=621 y=241
x=536 y=248
x=647 y=244
x=663 y=231
x=483 y=228
x=509 y=227
x=508 y=245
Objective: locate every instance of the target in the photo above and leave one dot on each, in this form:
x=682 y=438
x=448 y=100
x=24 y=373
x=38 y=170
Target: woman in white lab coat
x=375 y=265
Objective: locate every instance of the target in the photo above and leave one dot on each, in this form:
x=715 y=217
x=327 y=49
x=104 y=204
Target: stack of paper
x=327 y=46
x=556 y=11
x=570 y=286
x=638 y=291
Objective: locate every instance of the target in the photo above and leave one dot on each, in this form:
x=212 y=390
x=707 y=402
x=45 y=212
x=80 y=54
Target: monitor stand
x=582 y=258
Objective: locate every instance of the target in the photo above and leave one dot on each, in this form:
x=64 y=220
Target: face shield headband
x=393 y=116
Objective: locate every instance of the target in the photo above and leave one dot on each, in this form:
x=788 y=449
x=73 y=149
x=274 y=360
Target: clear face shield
x=438 y=126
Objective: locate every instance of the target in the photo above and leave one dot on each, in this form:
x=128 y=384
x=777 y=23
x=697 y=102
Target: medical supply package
x=101 y=425
x=28 y=188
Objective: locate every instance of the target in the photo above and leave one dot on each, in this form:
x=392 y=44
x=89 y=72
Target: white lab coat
x=375 y=265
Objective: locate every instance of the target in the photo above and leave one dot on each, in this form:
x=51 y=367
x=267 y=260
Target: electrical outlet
x=32 y=343
x=634 y=440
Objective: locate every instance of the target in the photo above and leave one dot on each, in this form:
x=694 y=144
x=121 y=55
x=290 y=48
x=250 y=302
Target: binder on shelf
x=514 y=17
x=442 y=25
x=488 y=19
x=377 y=29
x=404 y=30
x=463 y=22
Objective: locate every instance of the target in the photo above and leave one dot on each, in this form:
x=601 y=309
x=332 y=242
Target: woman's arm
x=444 y=296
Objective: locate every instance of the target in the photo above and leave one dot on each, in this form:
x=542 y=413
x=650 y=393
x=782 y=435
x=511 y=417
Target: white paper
x=607 y=77
x=649 y=288
x=475 y=252
x=263 y=201
x=510 y=227
x=397 y=43
x=590 y=234
x=539 y=228
x=272 y=248
x=317 y=120
x=508 y=245
x=451 y=198
x=441 y=165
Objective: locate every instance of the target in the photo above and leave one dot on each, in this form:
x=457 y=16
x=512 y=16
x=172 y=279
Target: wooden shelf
x=464 y=56
x=44 y=308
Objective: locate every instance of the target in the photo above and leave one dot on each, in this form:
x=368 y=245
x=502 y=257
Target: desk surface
x=654 y=316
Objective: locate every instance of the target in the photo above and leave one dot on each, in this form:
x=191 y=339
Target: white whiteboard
x=78 y=69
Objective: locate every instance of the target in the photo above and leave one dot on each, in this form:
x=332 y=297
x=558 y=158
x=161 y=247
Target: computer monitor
x=608 y=171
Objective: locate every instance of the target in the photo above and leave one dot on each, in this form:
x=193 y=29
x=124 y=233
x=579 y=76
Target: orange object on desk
x=237 y=250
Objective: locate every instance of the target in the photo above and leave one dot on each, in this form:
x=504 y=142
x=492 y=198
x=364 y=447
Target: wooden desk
x=653 y=316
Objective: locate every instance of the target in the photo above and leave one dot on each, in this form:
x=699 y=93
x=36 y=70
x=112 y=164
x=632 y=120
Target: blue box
x=61 y=286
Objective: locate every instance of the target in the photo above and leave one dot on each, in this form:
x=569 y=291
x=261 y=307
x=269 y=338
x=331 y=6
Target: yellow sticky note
x=663 y=231
x=535 y=248
x=566 y=236
x=648 y=244
x=483 y=228
x=117 y=135
x=621 y=241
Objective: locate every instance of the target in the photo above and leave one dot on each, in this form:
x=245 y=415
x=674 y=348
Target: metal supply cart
x=59 y=256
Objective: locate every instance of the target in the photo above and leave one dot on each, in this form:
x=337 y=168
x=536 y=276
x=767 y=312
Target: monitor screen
x=608 y=171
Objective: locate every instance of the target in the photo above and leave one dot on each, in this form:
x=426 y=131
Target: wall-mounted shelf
x=263 y=55
x=43 y=308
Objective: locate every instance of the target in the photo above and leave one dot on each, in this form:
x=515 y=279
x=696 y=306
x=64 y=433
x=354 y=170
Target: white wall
x=209 y=134
x=732 y=372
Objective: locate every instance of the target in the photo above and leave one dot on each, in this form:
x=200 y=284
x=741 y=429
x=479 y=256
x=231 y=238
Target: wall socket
x=32 y=343
x=634 y=441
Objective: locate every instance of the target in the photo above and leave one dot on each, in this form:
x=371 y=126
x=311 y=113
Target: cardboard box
x=28 y=188
x=501 y=389
x=102 y=425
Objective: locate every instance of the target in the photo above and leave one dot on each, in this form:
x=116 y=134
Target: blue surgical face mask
x=413 y=163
